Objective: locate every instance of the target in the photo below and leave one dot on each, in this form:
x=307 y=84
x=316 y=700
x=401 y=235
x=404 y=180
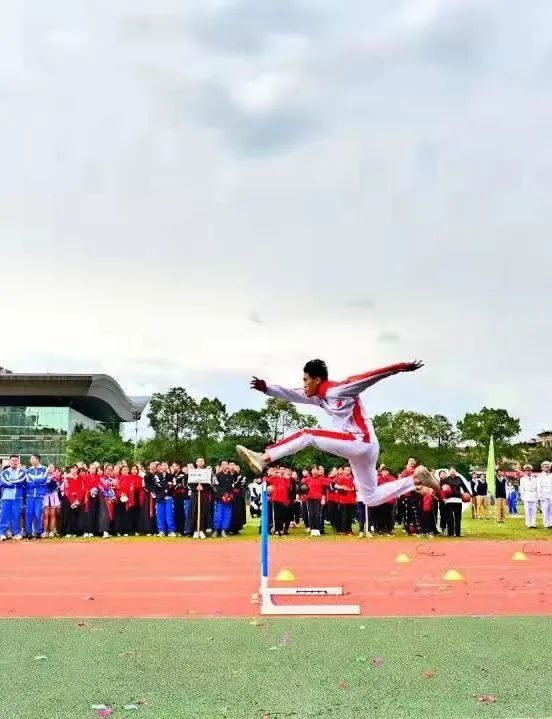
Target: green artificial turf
x=301 y=669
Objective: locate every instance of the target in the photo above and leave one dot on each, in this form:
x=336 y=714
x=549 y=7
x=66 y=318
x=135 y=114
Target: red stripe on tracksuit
x=360 y=422
x=316 y=433
x=383 y=371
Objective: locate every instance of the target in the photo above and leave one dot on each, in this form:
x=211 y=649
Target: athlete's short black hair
x=316 y=369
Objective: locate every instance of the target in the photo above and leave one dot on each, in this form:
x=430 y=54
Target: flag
x=491 y=468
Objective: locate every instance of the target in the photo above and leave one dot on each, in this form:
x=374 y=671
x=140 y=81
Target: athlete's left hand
x=412 y=366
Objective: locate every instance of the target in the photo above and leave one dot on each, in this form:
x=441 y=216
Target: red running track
x=176 y=578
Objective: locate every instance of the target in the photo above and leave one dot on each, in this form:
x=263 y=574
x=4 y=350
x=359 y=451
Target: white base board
x=269 y=608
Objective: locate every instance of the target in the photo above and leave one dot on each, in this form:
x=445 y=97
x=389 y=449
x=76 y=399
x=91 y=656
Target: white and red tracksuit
x=354 y=437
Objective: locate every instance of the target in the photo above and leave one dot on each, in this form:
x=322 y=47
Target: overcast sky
x=192 y=191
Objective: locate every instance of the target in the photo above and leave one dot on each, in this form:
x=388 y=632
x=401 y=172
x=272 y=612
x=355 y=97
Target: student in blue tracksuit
x=12 y=486
x=37 y=488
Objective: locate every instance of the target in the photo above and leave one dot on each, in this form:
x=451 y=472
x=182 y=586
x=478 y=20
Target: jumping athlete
x=354 y=438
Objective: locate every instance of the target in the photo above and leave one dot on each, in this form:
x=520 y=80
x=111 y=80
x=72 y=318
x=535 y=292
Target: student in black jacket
x=453 y=504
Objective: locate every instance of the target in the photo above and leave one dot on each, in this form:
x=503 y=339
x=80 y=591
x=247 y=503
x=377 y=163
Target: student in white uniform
x=544 y=488
x=529 y=496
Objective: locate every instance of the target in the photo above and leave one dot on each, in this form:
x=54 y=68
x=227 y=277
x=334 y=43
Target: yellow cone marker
x=452 y=576
x=285 y=575
x=519 y=557
x=403 y=559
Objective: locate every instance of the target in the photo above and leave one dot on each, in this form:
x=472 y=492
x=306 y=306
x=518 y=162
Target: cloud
x=247 y=26
x=388 y=337
x=254 y=317
x=361 y=303
x=345 y=167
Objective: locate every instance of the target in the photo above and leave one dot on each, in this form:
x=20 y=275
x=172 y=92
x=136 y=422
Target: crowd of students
x=121 y=499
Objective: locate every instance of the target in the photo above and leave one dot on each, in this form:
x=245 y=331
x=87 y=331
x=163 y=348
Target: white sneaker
x=160 y=534
x=223 y=534
x=202 y=535
x=315 y=533
x=171 y=534
x=51 y=534
x=124 y=535
x=196 y=535
x=106 y=535
x=44 y=535
x=3 y=537
x=18 y=536
x=254 y=460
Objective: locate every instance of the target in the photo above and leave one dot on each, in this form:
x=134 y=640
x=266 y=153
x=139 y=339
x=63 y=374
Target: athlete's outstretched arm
x=353 y=386
x=291 y=395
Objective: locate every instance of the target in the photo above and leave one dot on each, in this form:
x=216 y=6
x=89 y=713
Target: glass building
x=43 y=430
x=38 y=412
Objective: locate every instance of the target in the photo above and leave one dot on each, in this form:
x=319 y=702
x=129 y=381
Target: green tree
x=283 y=417
x=172 y=415
x=383 y=425
x=102 y=445
x=247 y=423
x=410 y=428
x=441 y=431
x=479 y=426
x=209 y=424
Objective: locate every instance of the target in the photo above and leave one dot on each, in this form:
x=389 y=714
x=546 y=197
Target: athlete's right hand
x=258 y=384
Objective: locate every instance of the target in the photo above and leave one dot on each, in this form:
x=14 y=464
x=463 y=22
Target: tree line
x=185 y=428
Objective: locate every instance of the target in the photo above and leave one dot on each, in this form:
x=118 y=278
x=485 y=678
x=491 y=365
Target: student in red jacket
x=279 y=497
x=429 y=499
x=315 y=500
x=332 y=500
x=124 y=507
x=385 y=515
x=91 y=500
x=73 y=500
x=345 y=487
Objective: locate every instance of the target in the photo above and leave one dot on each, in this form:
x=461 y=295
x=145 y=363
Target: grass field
x=303 y=669
x=513 y=528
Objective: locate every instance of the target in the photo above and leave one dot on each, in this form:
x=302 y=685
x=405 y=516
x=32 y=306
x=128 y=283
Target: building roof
x=545 y=433
x=97 y=396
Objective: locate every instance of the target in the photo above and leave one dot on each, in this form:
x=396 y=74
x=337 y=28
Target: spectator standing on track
x=73 y=501
x=202 y=524
x=179 y=480
x=12 y=485
x=544 y=488
x=315 y=497
x=345 y=486
x=255 y=497
x=164 y=503
x=52 y=502
x=529 y=491
x=482 y=498
x=239 y=509
x=500 y=498
x=384 y=522
x=429 y=499
x=474 y=482
x=223 y=483
x=512 y=495
x=36 y=489
x=453 y=504
x=147 y=514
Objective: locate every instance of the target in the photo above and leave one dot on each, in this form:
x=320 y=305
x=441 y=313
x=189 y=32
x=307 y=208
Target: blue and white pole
x=264 y=537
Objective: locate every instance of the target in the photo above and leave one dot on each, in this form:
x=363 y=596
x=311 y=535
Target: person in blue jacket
x=12 y=486
x=37 y=488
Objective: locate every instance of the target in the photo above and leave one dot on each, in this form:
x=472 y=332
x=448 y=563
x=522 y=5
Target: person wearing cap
x=529 y=496
x=544 y=490
x=500 y=497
